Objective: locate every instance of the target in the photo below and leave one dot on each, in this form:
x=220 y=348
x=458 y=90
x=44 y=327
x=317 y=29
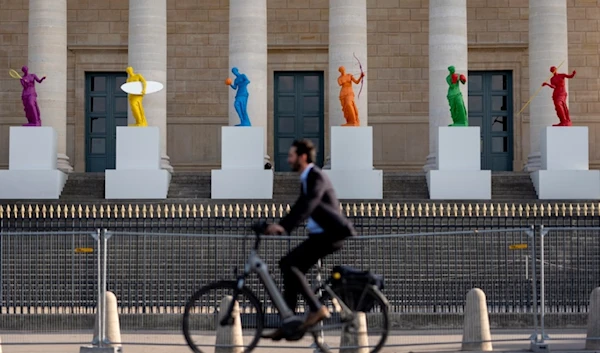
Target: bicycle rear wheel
x=206 y=308
x=368 y=330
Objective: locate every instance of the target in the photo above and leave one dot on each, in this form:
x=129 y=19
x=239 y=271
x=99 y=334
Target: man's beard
x=296 y=166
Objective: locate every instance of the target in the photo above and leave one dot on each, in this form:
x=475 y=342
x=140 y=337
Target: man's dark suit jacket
x=320 y=203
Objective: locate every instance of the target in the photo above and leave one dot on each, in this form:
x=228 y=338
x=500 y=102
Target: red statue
x=559 y=96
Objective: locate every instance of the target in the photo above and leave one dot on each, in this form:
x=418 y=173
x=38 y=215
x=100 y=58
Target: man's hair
x=306 y=147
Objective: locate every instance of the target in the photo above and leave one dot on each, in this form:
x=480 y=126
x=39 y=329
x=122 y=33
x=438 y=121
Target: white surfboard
x=136 y=87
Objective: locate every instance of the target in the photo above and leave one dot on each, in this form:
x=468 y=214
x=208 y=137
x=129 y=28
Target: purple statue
x=29 y=96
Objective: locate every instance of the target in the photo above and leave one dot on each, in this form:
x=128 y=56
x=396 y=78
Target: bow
x=361 y=71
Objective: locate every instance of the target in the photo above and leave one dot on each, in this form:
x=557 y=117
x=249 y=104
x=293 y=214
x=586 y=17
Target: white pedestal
x=565 y=170
x=242 y=174
x=138 y=174
x=32 y=172
x=352 y=173
x=458 y=175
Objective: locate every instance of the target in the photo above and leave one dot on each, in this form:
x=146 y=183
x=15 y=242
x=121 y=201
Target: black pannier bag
x=349 y=284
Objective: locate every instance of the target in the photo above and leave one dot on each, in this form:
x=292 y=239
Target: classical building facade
x=504 y=47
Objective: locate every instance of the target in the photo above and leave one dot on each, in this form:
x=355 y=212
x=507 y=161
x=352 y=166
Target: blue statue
x=241 y=97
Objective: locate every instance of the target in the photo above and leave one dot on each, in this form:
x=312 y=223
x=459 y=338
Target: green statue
x=455 y=98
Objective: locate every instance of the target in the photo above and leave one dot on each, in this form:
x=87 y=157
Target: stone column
x=248 y=52
x=447 y=47
x=347 y=39
x=47 y=56
x=147 y=54
x=548 y=46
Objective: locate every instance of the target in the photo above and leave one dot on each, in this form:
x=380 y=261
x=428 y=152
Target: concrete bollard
x=229 y=338
x=359 y=342
x=113 y=327
x=593 y=332
x=476 y=324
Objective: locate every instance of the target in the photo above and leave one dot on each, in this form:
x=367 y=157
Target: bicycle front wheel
x=205 y=310
x=369 y=328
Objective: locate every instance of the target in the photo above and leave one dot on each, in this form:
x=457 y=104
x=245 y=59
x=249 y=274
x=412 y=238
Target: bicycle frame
x=255 y=264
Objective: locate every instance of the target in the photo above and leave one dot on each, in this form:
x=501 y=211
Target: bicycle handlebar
x=259 y=229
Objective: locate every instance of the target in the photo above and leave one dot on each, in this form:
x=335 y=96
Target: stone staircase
x=194 y=187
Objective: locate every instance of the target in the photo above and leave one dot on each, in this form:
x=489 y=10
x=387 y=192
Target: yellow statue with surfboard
x=136 y=88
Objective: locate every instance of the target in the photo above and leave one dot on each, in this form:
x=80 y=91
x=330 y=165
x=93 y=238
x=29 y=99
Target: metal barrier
x=52 y=282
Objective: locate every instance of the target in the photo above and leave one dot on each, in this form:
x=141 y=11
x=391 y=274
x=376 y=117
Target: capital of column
x=147 y=54
x=447 y=47
x=47 y=56
x=548 y=46
x=248 y=53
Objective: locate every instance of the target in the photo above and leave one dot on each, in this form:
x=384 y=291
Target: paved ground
x=173 y=342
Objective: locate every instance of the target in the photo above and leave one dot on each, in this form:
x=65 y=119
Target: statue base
x=32 y=172
x=352 y=173
x=242 y=174
x=565 y=170
x=458 y=174
x=137 y=174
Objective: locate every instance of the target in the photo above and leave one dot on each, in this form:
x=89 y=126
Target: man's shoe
x=314 y=317
x=276 y=335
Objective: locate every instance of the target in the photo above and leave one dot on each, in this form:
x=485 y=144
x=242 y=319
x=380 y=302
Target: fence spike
x=37 y=211
x=592 y=210
x=130 y=211
x=245 y=210
x=1 y=212
x=377 y=209
x=201 y=210
x=273 y=210
x=8 y=211
x=44 y=212
x=280 y=211
x=252 y=210
x=347 y=210
x=369 y=209
x=137 y=211
x=166 y=211
x=462 y=210
x=477 y=210
x=433 y=210
x=22 y=211
x=585 y=209
x=29 y=211
x=498 y=210
x=542 y=209
x=150 y=211
x=15 y=211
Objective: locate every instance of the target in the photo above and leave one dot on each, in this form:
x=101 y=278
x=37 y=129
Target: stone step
x=194 y=188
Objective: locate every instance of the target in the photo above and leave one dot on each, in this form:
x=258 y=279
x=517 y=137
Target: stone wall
x=397 y=72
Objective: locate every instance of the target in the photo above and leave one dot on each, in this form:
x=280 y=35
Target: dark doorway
x=105 y=109
x=298 y=113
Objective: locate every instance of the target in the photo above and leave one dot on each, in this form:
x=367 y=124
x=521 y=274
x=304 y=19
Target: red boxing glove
x=454 y=78
x=463 y=79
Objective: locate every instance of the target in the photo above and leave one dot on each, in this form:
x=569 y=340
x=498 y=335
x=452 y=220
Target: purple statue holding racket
x=29 y=96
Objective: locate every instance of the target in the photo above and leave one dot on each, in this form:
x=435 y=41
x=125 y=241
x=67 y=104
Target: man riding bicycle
x=327 y=229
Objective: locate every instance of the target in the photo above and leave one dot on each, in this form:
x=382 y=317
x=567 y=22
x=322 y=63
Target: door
x=299 y=113
x=490 y=108
x=105 y=109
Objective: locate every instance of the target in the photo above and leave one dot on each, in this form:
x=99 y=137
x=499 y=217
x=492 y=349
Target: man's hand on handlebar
x=274 y=229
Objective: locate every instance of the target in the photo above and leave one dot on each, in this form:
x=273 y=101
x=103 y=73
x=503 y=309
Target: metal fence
x=51 y=281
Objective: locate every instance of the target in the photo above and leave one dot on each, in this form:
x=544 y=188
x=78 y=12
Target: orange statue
x=347 y=96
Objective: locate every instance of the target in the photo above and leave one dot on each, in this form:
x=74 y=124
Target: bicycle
x=348 y=291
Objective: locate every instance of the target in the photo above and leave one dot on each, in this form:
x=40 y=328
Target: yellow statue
x=347 y=97
x=135 y=100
